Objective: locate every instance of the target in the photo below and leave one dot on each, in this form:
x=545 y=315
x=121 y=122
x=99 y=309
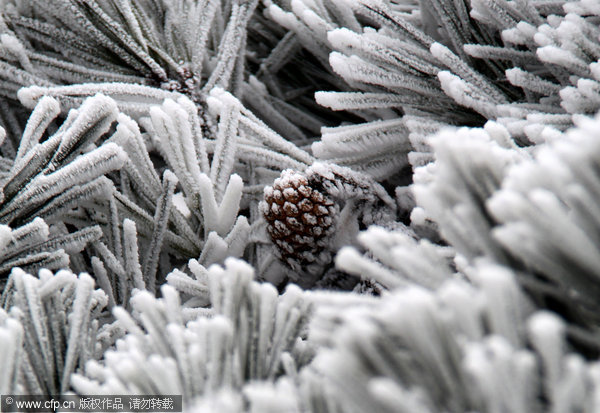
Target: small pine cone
x=301 y=219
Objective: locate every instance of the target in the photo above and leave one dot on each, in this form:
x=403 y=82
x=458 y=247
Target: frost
x=302 y=206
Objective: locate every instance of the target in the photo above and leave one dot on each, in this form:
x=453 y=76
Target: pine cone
x=311 y=214
x=301 y=218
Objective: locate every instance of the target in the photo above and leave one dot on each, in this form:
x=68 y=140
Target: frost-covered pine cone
x=301 y=219
x=311 y=214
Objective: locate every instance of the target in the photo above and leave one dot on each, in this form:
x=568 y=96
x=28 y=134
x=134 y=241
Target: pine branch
x=59 y=316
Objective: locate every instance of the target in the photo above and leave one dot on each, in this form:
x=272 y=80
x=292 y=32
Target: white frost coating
x=230 y=204
x=340 y=65
x=327 y=99
x=11 y=342
x=361 y=100
x=546 y=332
x=522 y=33
x=14 y=46
x=348 y=259
x=209 y=204
x=595 y=70
x=215 y=249
x=107 y=157
x=29 y=96
x=499 y=134
x=418 y=216
x=215 y=106
x=318 y=25
x=11 y=43
x=466 y=303
x=562 y=57
x=180 y=203
x=500 y=287
x=5 y=236
x=465 y=94
x=285 y=19
x=225 y=97
x=519 y=77
x=343 y=37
